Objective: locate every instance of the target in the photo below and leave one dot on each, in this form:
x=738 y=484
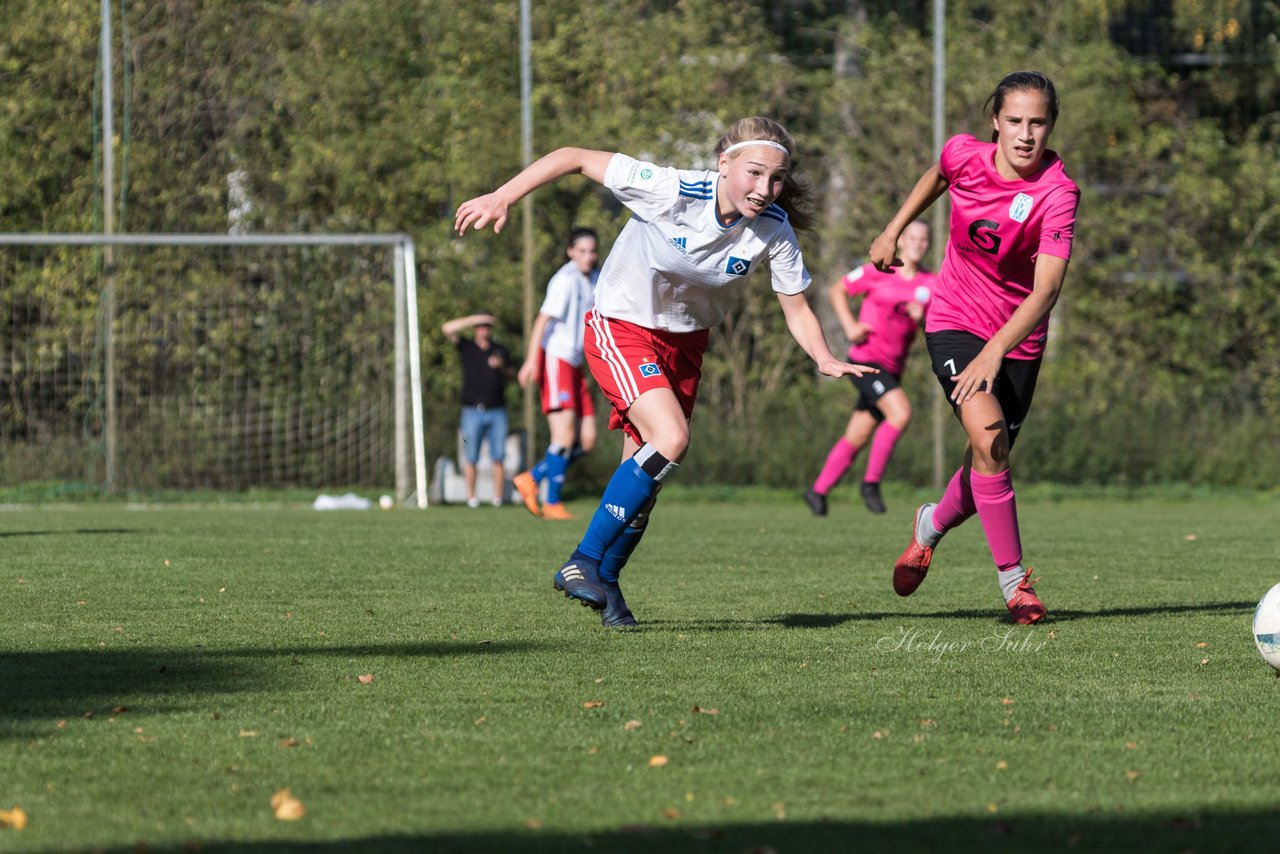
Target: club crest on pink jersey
x=1020 y=207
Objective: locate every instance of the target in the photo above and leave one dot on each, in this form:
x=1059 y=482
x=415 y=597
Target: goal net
x=145 y=362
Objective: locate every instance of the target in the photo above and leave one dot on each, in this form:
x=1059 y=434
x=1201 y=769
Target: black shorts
x=872 y=387
x=951 y=351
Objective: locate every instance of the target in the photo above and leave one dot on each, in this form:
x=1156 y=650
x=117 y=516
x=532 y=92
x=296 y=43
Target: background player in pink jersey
x=1012 y=223
x=893 y=305
x=674 y=271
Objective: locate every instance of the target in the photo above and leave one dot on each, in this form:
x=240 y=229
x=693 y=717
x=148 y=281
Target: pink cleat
x=1025 y=607
x=910 y=569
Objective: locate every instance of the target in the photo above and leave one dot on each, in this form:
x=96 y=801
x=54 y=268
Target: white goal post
x=163 y=361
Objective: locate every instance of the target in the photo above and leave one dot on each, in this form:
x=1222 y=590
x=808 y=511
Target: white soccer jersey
x=674 y=266
x=569 y=296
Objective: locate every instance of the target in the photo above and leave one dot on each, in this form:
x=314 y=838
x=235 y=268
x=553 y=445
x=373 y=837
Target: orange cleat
x=556 y=511
x=910 y=569
x=1025 y=607
x=528 y=489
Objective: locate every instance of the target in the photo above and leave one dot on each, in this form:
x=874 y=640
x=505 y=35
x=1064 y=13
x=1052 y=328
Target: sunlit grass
x=163 y=673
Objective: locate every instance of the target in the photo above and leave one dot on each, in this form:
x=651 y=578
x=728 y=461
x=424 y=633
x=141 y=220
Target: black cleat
x=817 y=503
x=616 y=614
x=578 y=580
x=871 y=496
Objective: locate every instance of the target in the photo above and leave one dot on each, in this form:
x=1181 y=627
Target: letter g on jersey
x=983 y=234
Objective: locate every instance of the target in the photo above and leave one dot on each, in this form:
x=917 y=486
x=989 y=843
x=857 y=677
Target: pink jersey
x=884 y=309
x=998 y=228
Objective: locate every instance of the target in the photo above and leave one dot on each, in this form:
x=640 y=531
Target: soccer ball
x=386 y=502
x=1266 y=627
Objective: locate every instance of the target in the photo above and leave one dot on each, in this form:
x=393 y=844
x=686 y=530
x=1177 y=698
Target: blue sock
x=620 y=549
x=539 y=471
x=628 y=493
x=556 y=464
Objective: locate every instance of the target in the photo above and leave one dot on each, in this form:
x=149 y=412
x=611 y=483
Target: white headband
x=767 y=142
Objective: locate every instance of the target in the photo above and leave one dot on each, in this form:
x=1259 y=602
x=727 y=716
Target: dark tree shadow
x=70 y=531
x=1164 y=831
x=77 y=683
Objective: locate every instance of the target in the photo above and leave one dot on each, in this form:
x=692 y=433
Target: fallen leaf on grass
x=1132 y=775
x=365 y=678
x=1008 y=701
x=480 y=720
x=248 y=733
x=1190 y=538
x=671 y=814
x=658 y=761
x=288 y=742
x=1204 y=661
x=1131 y=745
x=779 y=810
x=993 y=807
x=698 y=710
x=15 y=818
x=593 y=704
x=482 y=643
x=286 y=806
x=533 y=824
x=632 y=724
x=1002 y=765
x=1201 y=645
x=119 y=710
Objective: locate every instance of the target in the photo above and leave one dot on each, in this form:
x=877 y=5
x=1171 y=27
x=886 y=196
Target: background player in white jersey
x=554 y=361
x=673 y=273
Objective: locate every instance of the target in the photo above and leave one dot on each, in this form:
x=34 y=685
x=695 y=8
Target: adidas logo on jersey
x=619 y=513
x=679 y=243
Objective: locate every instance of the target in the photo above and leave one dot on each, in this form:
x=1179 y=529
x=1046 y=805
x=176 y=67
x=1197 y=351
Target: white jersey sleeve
x=646 y=189
x=559 y=293
x=786 y=264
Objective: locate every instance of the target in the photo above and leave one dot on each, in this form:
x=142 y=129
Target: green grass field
x=164 y=672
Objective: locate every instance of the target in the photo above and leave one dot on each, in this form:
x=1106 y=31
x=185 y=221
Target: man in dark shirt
x=486 y=365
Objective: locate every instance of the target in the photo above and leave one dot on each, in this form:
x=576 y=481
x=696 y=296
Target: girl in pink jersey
x=893 y=305
x=1012 y=223
x=674 y=271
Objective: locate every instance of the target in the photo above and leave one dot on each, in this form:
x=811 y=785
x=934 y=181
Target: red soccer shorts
x=627 y=360
x=564 y=386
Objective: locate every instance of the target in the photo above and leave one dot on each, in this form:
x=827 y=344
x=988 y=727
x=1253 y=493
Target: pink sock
x=956 y=503
x=838 y=462
x=993 y=496
x=882 y=444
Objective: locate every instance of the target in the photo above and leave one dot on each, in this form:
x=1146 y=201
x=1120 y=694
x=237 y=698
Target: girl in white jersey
x=673 y=273
x=1012 y=223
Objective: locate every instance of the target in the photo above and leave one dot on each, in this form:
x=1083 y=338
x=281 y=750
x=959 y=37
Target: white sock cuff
x=653 y=463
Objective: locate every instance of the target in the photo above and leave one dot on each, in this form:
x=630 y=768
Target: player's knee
x=992 y=454
x=671 y=441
